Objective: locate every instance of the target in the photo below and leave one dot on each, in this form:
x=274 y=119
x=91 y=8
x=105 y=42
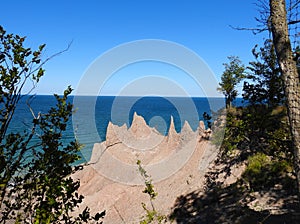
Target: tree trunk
x=279 y=29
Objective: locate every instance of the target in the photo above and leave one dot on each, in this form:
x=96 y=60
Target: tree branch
x=254 y=30
x=52 y=56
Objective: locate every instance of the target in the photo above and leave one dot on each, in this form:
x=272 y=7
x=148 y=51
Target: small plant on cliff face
x=152 y=216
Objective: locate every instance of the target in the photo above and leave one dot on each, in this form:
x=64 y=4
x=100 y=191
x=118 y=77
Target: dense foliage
x=264 y=82
x=35 y=182
x=258 y=133
x=259 y=136
x=253 y=179
x=233 y=74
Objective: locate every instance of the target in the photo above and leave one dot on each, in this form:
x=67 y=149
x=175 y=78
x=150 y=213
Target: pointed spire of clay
x=172 y=131
x=139 y=127
x=114 y=133
x=186 y=127
x=172 y=134
x=201 y=129
x=186 y=131
x=111 y=136
x=202 y=125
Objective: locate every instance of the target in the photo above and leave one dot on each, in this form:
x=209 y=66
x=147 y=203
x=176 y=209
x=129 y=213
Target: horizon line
x=73 y=95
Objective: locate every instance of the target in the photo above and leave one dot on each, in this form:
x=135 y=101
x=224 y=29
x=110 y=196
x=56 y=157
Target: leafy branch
x=152 y=216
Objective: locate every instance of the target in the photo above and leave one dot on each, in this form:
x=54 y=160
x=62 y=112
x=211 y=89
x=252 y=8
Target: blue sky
x=97 y=26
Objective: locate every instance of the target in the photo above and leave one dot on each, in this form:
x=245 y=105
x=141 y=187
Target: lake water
x=156 y=111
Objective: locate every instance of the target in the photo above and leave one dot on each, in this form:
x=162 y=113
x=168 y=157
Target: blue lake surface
x=157 y=112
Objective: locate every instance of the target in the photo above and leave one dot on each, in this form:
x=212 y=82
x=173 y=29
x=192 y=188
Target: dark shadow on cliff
x=229 y=205
x=258 y=137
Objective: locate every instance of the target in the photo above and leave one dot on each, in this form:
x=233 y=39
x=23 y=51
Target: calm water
x=155 y=110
